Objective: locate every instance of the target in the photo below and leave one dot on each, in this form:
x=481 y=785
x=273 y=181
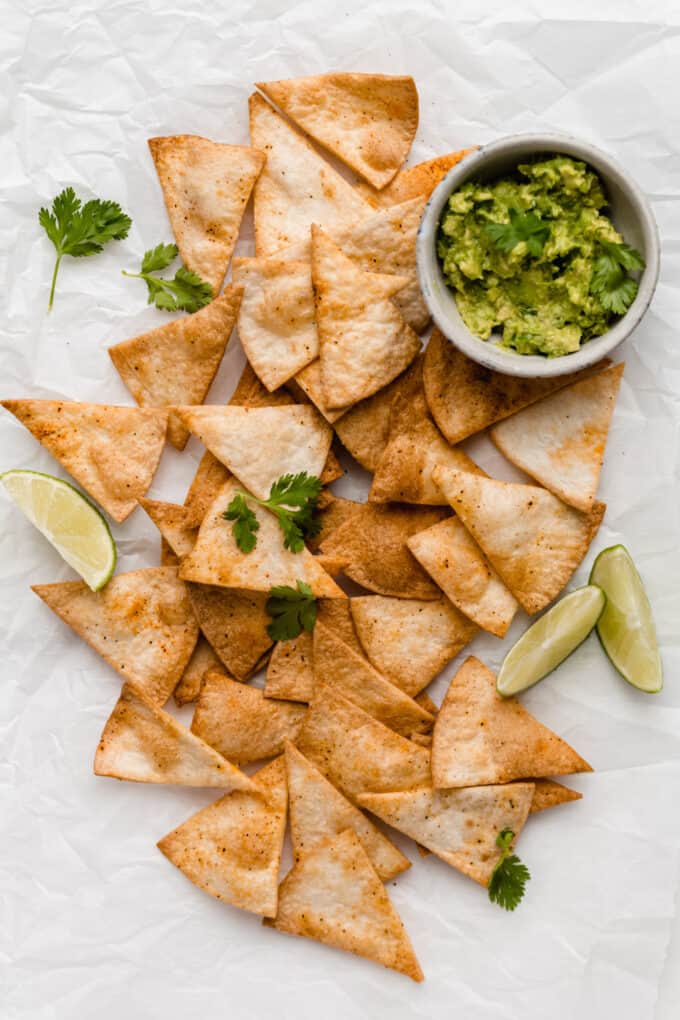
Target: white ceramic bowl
x=628 y=209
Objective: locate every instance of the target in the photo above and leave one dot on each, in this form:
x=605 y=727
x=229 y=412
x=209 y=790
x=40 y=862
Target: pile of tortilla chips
x=331 y=319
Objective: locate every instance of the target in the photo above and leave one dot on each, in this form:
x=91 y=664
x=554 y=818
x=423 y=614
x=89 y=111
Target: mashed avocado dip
x=533 y=256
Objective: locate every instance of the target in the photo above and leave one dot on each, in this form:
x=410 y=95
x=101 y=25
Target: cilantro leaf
x=292 y=610
x=610 y=281
x=509 y=878
x=527 y=227
x=80 y=230
x=627 y=257
x=293 y=500
x=246 y=524
x=186 y=292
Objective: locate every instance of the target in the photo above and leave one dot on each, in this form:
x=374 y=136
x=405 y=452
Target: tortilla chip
x=465 y=398
x=560 y=441
x=235 y=623
x=216 y=559
x=330 y=517
x=414 y=181
x=319 y=811
x=364 y=430
x=345 y=670
x=141 y=623
x=167 y=557
x=481 y=738
x=336 y=616
x=407 y=640
x=333 y=565
x=373 y=541
x=548 y=793
x=423 y=739
x=533 y=539
x=144 y=744
x=206 y=186
x=276 y=323
x=363 y=338
x=367 y=120
x=210 y=476
x=334 y=895
x=232 y=848
x=415 y=447
x=460 y=826
x=177 y=362
x=260 y=444
x=427 y=703
x=240 y=723
x=251 y=392
x=202 y=660
x=332 y=469
x=113 y=452
x=290 y=672
x=176 y=524
x=297 y=186
x=455 y=562
x=355 y=751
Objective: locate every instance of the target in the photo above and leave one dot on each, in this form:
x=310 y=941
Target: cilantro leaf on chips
x=186 y=292
x=292 y=610
x=508 y=881
x=292 y=499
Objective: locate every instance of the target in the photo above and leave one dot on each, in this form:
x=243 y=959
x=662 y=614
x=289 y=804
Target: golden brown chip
x=240 y=723
x=176 y=363
x=250 y=392
x=235 y=623
x=177 y=525
x=319 y=811
x=141 y=623
x=334 y=895
x=144 y=744
x=548 y=793
x=414 y=181
x=335 y=615
x=481 y=738
x=332 y=469
x=203 y=659
x=210 y=477
x=113 y=452
x=364 y=430
x=232 y=848
x=331 y=516
x=374 y=541
x=167 y=557
x=206 y=187
x=290 y=671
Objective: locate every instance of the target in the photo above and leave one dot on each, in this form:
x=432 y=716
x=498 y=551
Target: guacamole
x=532 y=256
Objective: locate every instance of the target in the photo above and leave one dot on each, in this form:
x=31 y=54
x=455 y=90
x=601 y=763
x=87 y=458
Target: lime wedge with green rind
x=74 y=526
x=549 y=640
x=626 y=628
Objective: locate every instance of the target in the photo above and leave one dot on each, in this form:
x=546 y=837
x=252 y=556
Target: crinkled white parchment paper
x=94 y=922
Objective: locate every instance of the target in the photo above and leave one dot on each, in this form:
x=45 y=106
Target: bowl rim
x=429 y=271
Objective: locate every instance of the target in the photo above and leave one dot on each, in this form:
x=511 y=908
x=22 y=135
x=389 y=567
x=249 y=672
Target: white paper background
x=93 y=920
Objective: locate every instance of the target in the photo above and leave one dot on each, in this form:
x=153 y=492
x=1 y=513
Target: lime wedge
x=550 y=640
x=626 y=627
x=68 y=520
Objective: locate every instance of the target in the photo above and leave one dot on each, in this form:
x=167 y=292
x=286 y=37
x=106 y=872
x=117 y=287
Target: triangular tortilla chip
x=251 y=392
x=206 y=186
x=235 y=623
x=481 y=738
x=209 y=478
x=373 y=541
x=141 y=623
x=364 y=430
x=415 y=447
x=203 y=659
x=144 y=744
x=332 y=469
x=367 y=120
x=113 y=452
x=232 y=848
x=177 y=525
x=260 y=444
x=331 y=516
x=419 y=180
x=364 y=340
x=297 y=186
x=452 y=558
x=216 y=559
x=334 y=895
x=355 y=751
x=176 y=363
x=290 y=671
x=343 y=669
x=560 y=440
x=548 y=793
x=276 y=324
x=407 y=640
x=240 y=723
x=319 y=811
x=460 y=826
x=465 y=398
x=307 y=386
x=533 y=539
x=336 y=616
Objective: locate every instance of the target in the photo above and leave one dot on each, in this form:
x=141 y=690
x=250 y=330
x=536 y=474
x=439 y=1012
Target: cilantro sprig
x=509 y=878
x=610 y=281
x=186 y=292
x=527 y=227
x=79 y=230
x=293 y=500
x=292 y=610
